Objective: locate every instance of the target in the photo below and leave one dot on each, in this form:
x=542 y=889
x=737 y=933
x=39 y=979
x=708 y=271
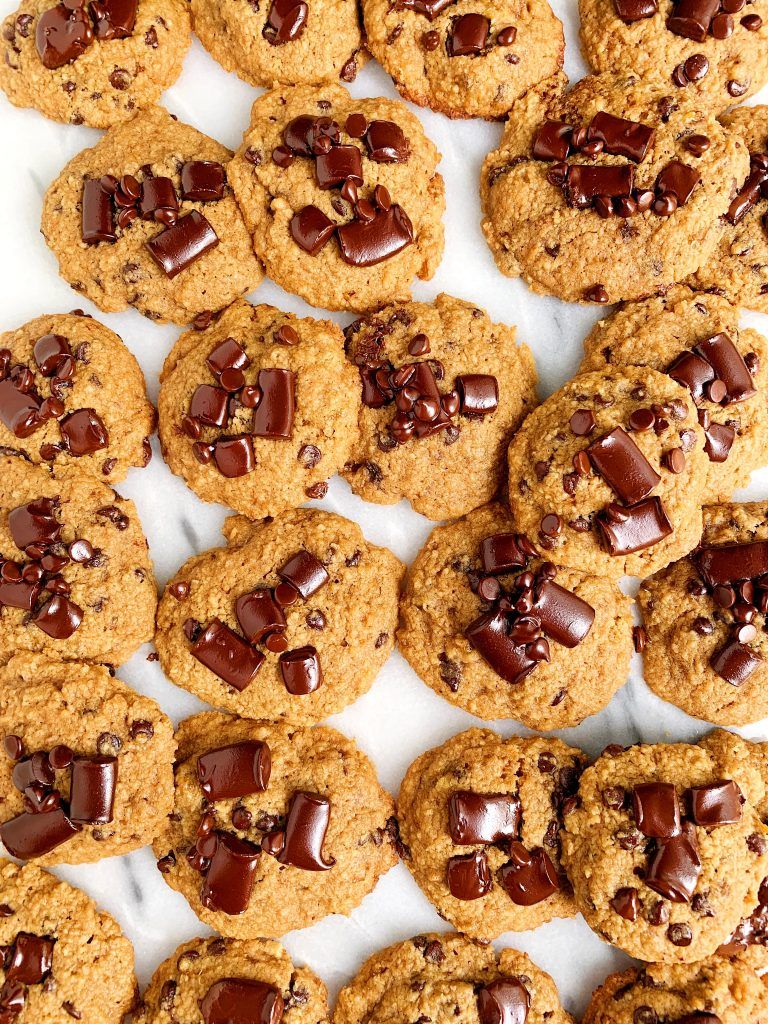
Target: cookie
x=471 y=59
x=96 y=63
x=443 y=390
x=608 y=193
x=502 y=633
x=254 y=979
x=695 y=338
x=76 y=581
x=146 y=218
x=258 y=410
x=608 y=475
x=710 y=992
x=706 y=649
x=292 y=621
x=88 y=765
x=447 y=977
x=66 y=960
x=282 y=41
x=481 y=819
x=341 y=196
x=712 y=52
x=738 y=268
x=274 y=827
x=73 y=397
x=665 y=849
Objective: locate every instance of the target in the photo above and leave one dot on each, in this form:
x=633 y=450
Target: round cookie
x=713 y=53
x=146 y=218
x=706 y=648
x=275 y=826
x=94 y=63
x=71 y=961
x=481 y=819
x=260 y=460
x=590 y=208
x=710 y=992
x=665 y=849
x=738 y=268
x=455 y=388
x=455 y=618
x=215 y=977
x=695 y=338
x=86 y=408
x=608 y=475
x=282 y=42
x=292 y=621
x=446 y=978
x=93 y=754
x=341 y=196
x=76 y=582
x=471 y=58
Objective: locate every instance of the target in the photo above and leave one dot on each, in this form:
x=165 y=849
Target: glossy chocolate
x=273 y=416
x=623 y=466
x=92 y=789
x=469 y=877
x=483 y=818
x=229 y=879
x=239 y=769
x=227 y=655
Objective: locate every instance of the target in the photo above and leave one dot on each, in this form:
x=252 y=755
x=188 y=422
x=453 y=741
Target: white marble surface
x=399 y=717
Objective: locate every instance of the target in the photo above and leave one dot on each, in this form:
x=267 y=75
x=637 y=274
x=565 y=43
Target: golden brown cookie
x=569 y=641
x=274 y=826
x=443 y=390
x=72 y=396
x=258 y=410
x=147 y=218
x=341 y=196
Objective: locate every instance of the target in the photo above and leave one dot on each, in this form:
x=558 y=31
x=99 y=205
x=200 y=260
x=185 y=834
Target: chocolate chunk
x=83 y=432
x=386 y=142
x=489 y=636
x=584 y=182
x=679 y=180
x=366 y=243
x=305 y=573
x=693 y=372
x=236 y=770
x=429 y=8
x=229 y=881
x=35 y=769
x=311 y=229
x=273 y=416
x=227 y=655
x=92 y=790
x=30 y=959
x=468 y=36
x=728 y=366
x=634 y=527
x=748 y=195
x=113 y=19
x=469 y=877
x=19 y=594
x=49 y=351
x=181 y=244
x=234 y=456
x=636 y=10
x=723 y=564
x=735 y=663
x=59 y=617
x=552 y=141
x=259 y=615
x=620 y=136
x=339 y=164
x=63 y=33
x=97 y=224
x=157 y=194
x=34 y=835
x=626 y=903
x=203 y=181
x=563 y=616
x=483 y=818
x=210 y=405
x=478 y=393
x=719 y=803
x=692 y=18
x=301 y=671
x=305 y=829
x=34 y=523
x=506 y=1001
x=675 y=867
x=502 y=552
x=19 y=410
x=286 y=21
x=529 y=877
x=235 y=1000
x=718 y=441
x=623 y=466
x=228 y=355
x=656 y=809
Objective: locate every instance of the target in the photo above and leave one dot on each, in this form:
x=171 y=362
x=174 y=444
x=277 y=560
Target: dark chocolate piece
x=234 y=456
x=229 y=880
x=563 y=616
x=693 y=372
x=636 y=10
x=157 y=194
x=386 y=142
x=210 y=405
x=429 y=8
x=242 y=1001
x=83 y=432
x=501 y=553
x=305 y=573
x=33 y=835
x=489 y=636
x=259 y=615
x=305 y=829
x=620 y=136
x=301 y=671
x=552 y=141
x=623 y=466
x=97 y=222
x=227 y=655
x=273 y=416
x=34 y=523
x=29 y=959
x=49 y=351
x=719 y=803
x=735 y=663
x=679 y=180
x=228 y=355
x=728 y=366
x=366 y=243
x=635 y=527
x=59 y=617
x=584 y=182
x=339 y=164
x=311 y=229
x=62 y=34
x=506 y=1001
x=478 y=393
x=203 y=181
x=656 y=809
x=723 y=564
x=183 y=243
x=674 y=869
x=469 y=876
x=19 y=410
x=529 y=877
x=483 y=818
x=469 y=35
x=92 y=790
x=113 y=19
x=236 y=770
x=286 y=21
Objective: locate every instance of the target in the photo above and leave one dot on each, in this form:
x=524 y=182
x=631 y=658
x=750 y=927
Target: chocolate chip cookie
x=608 y=475
x=665 y=849
x=610 y=192
x=94 y=62
x=341 y=196
x=147 y=218
x=710 y=992
x=470 y=58
x=710 y=51
x=706 y=647
x=481 y=818
x=695 y=339
x=292 y=621
x=274 y=826
x=220 y=980
x=258 y=410
x=87 y=770
x=295 y=42
x=73 y=397
x=443 y=390
x=66 y=960
x=494 y=627
x=447 y=977
x=76 y=581
x=738 y=268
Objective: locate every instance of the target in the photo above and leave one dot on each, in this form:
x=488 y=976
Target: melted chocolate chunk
x=34 y=835
x=305 y=829
x=724 y=564
x=305 y=573
x=679 y=180
x=468 y=36
x=63 y=33
x=735 y=663
x=34 y=523
x=489 y=636
x=674 y=869
x=366 y=243
x=469 y=877
x=386 y=142
x=623 y=466
x=502 y=552
x=259 y=615
x=656 y=809
x=157 y=194
x=483 y=818
x=728 y=366
x=227 y=655
x=747 y=196
x=693 y=372
x=229 y=880
x=584 y=182
x=234 y=456
x=241 y=1001
x=19 y=410
x=59 y=617
x=311 y=229
x=203 y=181
x=506 y=1001
x=97 y=222
x=92 y=790
x=301 y=671
x=339 y=164
x=49 y=350
x=719 y=803
x=210 y=405
x=228 y=355
x=286 y=21
x=634 y=527
x=113 y=19
x=83 y=432
x=552 y=141
x=30 y=959
x=273 y=416
x=429 y=8
x=529 y=877
x=620 y=136
x=626 y=903
x=183 y=243
x=234 y=771
x=636 y=10
x=564 y=616
x=478 y=394
x=693 y=18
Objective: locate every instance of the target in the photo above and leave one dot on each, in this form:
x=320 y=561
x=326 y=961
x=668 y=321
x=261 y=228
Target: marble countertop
x=400 y=717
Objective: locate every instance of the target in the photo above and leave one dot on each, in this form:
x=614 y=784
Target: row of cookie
x=612 y=192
